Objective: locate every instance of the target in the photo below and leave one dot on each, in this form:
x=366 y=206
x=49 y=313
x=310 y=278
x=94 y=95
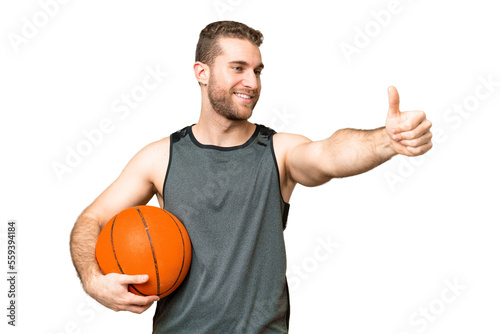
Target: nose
x=251 y=80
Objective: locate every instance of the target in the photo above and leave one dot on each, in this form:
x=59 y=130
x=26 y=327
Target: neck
x=213 y=129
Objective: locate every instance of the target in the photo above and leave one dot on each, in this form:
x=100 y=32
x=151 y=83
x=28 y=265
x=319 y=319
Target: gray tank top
x=230 y=202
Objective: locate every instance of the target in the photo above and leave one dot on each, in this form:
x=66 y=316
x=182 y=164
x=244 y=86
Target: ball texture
x=146 y=240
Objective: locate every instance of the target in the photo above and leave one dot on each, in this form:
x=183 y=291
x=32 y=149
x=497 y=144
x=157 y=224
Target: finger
x=414 y=151
x=134 y=303
x=135 y=308
x=415 y=133
x=425 y=138
x=133 y=279
x=409 y=121
x=393 y=101
x=141 y=300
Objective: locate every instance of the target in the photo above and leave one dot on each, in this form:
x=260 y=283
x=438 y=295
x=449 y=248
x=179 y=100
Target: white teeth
x=242 y=95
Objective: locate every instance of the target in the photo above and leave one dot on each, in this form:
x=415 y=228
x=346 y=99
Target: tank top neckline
x=222 y=148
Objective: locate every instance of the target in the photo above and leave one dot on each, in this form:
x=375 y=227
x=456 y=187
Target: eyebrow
x=244 y=63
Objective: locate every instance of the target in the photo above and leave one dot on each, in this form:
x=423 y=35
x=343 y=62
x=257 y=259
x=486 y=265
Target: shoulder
x=150 y=161
x=178 y=135
x=155 y=150
x=283 y=145
x=284 y=142
x=281 y=140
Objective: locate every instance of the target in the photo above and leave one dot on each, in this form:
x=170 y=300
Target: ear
x=201 y=72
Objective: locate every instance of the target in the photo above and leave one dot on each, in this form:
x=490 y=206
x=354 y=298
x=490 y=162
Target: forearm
x=110 y=290
x=82 y=245
x=350 y=152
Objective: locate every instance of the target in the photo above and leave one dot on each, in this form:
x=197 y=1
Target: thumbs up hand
x=409 y=131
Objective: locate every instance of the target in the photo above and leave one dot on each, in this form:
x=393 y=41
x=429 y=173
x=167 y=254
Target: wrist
x=89 y=280
x=385 y=145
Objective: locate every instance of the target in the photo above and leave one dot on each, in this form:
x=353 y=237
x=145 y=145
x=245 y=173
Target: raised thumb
x=393 y=101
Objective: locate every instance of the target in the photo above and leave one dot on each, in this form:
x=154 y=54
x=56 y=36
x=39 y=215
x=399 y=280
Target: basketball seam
x=116 y=257
x=152 y=251
x=183 y=252
x=113 y=246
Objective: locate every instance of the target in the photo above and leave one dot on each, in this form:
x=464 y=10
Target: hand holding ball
x=146 y=240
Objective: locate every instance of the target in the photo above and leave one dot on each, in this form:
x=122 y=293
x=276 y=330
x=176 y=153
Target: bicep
x=347 y=152
x=299 y=161
x=305 y=163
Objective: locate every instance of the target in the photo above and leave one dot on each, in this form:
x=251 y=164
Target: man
x=229 y=181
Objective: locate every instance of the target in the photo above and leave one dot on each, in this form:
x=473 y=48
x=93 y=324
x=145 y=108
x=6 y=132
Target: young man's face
x=234 y=83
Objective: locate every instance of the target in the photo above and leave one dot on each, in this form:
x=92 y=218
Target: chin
x=239 y=117
x=239 y=114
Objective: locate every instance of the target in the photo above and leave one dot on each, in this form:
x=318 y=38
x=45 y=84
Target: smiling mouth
x=243 y=96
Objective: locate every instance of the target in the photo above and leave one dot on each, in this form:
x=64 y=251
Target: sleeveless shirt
x=230 y=202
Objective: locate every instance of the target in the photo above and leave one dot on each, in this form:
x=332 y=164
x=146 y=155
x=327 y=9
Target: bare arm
x=83 y=236
x=349 y=152
x=134 y=186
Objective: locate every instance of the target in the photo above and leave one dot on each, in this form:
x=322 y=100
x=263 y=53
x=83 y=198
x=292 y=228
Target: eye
x=237 y=68
x=257 y=72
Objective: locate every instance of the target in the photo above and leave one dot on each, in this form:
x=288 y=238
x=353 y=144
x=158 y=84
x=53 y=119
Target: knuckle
x=415 y=150
x=408 y=135
x=122 y=301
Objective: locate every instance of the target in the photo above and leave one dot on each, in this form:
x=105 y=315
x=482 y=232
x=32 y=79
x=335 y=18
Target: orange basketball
x=146 y=240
